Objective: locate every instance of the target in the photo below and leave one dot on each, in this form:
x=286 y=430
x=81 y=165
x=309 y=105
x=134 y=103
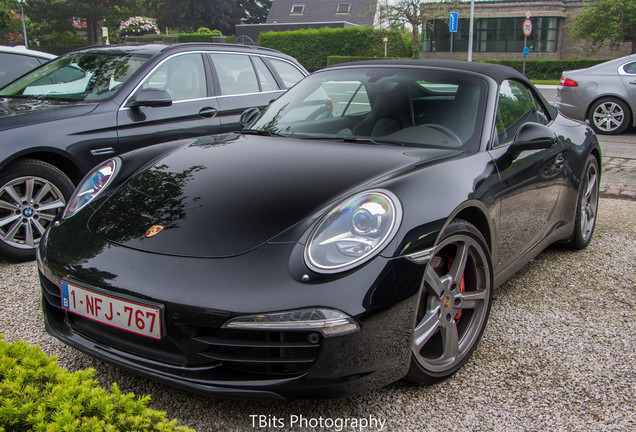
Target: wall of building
x=567 y=47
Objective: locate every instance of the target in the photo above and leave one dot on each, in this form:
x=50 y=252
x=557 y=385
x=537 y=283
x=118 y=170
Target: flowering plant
x=138 y=26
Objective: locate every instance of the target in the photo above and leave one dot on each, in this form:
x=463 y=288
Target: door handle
x=208 y=112
x=633 y=82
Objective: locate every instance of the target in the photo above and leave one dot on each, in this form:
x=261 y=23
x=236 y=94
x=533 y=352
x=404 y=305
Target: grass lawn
x=549 y=82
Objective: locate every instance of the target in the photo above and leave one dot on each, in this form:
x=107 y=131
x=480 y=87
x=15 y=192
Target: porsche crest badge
x=153 y=231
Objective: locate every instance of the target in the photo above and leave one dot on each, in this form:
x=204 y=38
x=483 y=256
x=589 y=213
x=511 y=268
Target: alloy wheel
x=454 y=305
x=27 y=207
x=589 y=202
x=608 y=116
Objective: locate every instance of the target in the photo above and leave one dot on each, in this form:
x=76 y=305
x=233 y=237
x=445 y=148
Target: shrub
x=37 y=395
x=138 y=26
x=546 y=69
x=312 y=47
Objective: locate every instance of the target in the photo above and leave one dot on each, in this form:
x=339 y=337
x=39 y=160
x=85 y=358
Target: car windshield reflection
x=419 y=108
x=78 y=77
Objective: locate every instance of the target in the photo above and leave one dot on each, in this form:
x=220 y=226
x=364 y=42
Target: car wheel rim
x=454 y=304
x=27 y=207
x=608 y=116
x=589 y=202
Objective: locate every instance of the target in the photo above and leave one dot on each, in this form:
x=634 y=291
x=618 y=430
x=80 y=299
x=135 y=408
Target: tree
x=57 y=15
x=189 y=15
x=416 y=13
x=9 y=22
x=255 y=10
x=606 y=22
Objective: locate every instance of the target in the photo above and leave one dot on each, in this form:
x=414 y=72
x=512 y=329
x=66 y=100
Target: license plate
x=122 y=314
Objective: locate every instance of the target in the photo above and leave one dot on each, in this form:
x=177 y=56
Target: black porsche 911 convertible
x=351 y=236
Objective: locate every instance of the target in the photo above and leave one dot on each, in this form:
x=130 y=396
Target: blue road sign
x=526 y=52
x=452 y=22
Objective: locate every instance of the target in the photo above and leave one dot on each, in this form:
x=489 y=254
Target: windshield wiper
x=368 y=140
x=260 y=132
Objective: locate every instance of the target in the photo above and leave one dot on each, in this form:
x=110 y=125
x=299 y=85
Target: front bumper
x=198 y=354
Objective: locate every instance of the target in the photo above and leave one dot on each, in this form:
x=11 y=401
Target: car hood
x=13 y=110
x=220 y=199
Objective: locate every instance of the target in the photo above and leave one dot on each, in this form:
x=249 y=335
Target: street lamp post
x=26 y=42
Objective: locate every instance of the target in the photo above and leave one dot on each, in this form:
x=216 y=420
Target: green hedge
x=37 y=395
x=535 y=69
x=312 y=47
x=180 y=37
x=332 y=60
x=546 y=69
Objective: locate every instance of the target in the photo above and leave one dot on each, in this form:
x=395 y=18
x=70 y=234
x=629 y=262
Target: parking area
x=559 y=353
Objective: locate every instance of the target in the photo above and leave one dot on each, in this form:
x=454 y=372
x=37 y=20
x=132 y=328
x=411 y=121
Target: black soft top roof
x=497 y=72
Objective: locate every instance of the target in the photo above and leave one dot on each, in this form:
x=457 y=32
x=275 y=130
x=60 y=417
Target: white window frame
x=348 y=11
x=301 y=6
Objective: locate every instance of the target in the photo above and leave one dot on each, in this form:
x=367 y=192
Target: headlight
x=353 y=232
x=91 y=186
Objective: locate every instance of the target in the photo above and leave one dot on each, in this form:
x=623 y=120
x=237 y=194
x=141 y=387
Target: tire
x=610 y=116
x=454 y=304
x=586 y=206
x=32 y=193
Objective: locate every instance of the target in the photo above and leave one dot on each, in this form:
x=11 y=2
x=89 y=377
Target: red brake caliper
x=462 y=286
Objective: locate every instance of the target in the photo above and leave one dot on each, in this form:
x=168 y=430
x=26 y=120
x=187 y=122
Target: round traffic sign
x=526 y=52
x=527 y=27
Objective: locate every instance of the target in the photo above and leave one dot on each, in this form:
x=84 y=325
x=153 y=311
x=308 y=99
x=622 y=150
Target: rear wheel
x=454 y=304
x=32 y=193
x=610 y=116
x=587 y=205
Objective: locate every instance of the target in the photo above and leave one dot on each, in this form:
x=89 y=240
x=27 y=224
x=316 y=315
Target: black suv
x=65 y=117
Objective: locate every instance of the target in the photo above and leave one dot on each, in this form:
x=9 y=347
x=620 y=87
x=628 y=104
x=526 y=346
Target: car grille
x=264 y=352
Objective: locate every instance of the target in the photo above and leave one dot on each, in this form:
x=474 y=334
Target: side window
x=630 y=68
x=235 y=73
x=265 y=77
x=515 y=107
x=182 y=76
x=357 y=104
x=14 y=65
x=287 y=72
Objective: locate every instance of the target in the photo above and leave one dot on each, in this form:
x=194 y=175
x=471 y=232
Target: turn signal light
x=567 y=82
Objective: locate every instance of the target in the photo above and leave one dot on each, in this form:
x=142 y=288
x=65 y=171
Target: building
x=498 y=32
x=303 y=14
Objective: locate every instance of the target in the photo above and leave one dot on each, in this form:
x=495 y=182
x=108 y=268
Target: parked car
x=18 y=60
x=64 y=118
x=351 y=236
x=604 y=94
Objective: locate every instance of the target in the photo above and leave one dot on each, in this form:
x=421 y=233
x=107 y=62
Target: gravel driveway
x=559 y=353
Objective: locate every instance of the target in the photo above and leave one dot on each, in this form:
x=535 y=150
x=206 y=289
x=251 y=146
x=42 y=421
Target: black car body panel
x=240 y=211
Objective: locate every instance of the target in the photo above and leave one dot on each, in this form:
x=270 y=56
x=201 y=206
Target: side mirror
x=531 y=136
x=249 y=115
x=150 y=98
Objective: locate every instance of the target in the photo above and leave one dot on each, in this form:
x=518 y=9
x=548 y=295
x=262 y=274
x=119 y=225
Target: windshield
x=408 y=106
x=82 y=76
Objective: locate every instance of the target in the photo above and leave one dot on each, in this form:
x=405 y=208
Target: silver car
x=604 y=94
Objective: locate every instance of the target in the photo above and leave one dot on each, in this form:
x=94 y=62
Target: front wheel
x=32 y=193
x=454 y=304
x=610 y=116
